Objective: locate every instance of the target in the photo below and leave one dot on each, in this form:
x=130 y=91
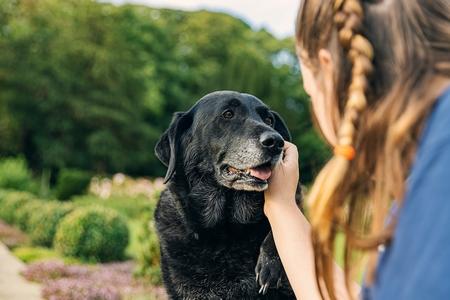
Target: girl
x=378 y=73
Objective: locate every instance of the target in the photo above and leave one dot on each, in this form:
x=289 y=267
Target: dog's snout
x=271 y=140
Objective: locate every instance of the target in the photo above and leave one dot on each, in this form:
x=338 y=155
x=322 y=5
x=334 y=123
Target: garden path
x=12 y=285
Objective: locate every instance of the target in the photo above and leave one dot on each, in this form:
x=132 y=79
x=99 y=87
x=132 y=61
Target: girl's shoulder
x=433 y=152
x=416 y=265
x=437 y=129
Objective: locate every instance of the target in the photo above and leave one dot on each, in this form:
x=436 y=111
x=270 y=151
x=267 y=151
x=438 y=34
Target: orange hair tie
x=348 y=152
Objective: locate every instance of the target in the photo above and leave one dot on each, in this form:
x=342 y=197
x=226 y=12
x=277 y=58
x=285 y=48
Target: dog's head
x=234 y=137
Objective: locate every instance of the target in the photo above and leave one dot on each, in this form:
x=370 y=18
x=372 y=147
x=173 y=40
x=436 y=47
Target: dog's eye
x=268 y=121
x=228 y=114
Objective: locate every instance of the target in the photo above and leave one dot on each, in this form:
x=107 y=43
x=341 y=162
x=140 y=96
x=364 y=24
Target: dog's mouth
x=252 y=178
x=261 y=172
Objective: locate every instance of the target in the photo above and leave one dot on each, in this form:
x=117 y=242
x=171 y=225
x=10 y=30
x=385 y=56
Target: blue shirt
x=416 y=264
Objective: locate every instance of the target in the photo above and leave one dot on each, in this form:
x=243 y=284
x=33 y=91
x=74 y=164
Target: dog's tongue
x=261 y=173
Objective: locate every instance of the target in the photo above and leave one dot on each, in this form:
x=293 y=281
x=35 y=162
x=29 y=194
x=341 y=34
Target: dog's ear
x=281 y=127
x=168 y=146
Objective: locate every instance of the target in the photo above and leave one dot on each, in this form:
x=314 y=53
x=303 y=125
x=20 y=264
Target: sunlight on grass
x=34 y=254
x=131 y=207
x=135 y=228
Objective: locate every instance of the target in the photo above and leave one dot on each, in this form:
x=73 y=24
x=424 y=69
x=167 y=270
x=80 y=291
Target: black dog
x=210 y=219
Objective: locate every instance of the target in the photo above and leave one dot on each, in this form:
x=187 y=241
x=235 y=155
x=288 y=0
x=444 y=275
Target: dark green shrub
x=14 y=174
x=11 y=203
x=71 y=182
x=44 y=222
x=92 y=233
x=23 y=213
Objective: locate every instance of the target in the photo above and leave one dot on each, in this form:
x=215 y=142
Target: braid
x=325 y=213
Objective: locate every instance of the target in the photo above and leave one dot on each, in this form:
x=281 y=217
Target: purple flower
x=53 y=269
x=79 y=288
x=99 y=282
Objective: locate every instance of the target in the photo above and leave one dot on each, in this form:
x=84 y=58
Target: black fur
x=210 y=221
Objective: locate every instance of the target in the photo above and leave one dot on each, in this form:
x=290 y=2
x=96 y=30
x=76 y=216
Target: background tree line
x=91 y=86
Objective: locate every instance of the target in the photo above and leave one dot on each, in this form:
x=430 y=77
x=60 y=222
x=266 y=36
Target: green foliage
x=71 y=182
x=92 y=233
x=3 y=193
x=14 y=174
x=11 y=203
x=131 y=207
x=23 y=213
x=33 y=254
x=106 y=79
x=313 y=152
x=146 y=250
x=87 y=69
x=44 y=222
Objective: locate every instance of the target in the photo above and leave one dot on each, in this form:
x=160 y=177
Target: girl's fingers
x=290 y=153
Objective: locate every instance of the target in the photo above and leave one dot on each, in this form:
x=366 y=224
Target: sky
x=277 y=16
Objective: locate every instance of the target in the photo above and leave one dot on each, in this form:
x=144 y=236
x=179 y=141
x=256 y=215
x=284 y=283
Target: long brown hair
x=388 y=54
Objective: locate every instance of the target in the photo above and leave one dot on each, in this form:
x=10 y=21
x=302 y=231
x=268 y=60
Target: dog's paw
x=268 y=271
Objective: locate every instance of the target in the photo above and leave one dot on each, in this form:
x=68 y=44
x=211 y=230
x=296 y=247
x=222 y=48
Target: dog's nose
x=271 y=140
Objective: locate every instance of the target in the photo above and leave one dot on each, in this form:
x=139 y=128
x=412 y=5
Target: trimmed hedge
x=92 y=233
x=10 y=204
x=23 y=213
x=44 y=221
x=72 y=182
x=14 y=174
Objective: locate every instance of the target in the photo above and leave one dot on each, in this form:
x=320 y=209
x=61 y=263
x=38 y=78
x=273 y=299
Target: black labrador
x=210 y=219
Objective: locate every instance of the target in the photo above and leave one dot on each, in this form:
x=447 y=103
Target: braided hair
x=348 y=16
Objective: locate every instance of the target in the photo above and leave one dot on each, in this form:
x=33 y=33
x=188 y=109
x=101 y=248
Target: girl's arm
x=291 y=231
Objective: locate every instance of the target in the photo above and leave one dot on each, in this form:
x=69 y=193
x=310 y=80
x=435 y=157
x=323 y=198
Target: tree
x=91 y=86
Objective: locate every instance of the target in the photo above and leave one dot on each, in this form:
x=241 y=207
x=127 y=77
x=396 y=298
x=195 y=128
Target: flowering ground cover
x=90 y=282
x=134 y=275
x=65 y=278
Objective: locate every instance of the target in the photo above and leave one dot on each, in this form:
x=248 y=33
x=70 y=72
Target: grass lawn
x=29 y=254
x=131 y=207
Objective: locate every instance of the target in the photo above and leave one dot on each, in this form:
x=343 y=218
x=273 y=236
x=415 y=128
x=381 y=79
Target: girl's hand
x=284 y=180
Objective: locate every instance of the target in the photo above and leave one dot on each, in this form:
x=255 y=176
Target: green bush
x=11 y=203
x=71 y=182
x=14 y=174
x=146 y=249
x=92 y=233
x=23 y=213
x=43 y=222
